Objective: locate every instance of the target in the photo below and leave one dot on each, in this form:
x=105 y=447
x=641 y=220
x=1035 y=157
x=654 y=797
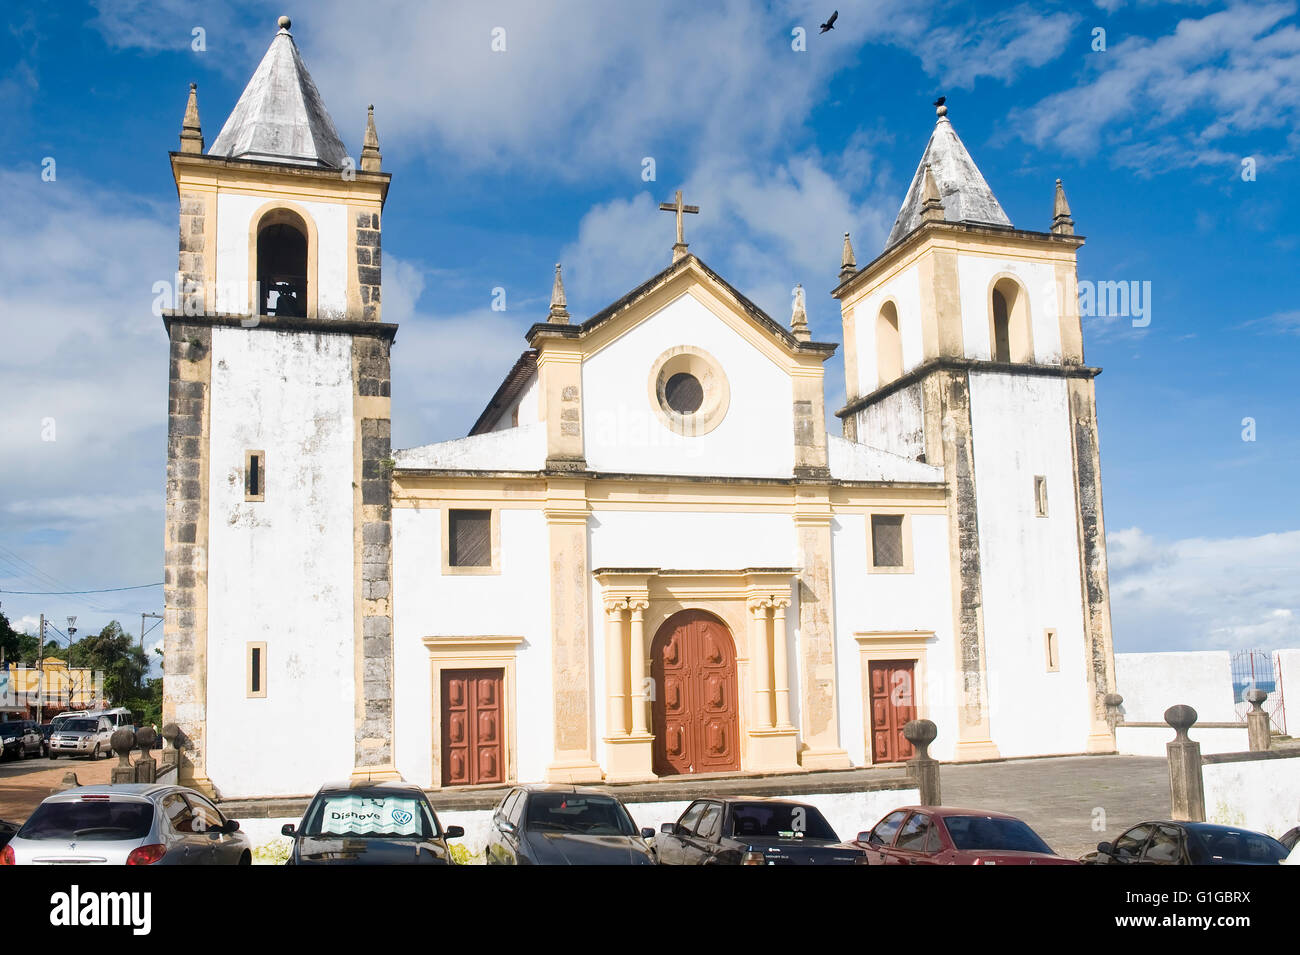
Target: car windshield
x=584 y=813
x=9 y=729
x=79 y=726
x=990 y=833
x=370 y=815
x=1214 y=845
x=775 y=821
x=99 y=820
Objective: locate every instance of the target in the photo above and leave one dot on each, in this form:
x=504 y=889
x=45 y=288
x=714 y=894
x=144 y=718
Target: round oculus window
x=684 y=393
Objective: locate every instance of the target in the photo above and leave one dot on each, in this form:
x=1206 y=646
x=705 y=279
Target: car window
x=369 y=813
x=887 y=828
x=914 y=834
x=1216 y=845
x=586 y=813
x=1164 y=845
x=506 y=804
x=710 y=823
x=985 y=833
x=206 y=817
x=686 y=824
x=90 y=820
x=779 y=821
x=516 y=814
x=177 y=812
x=932 y=841
x=1130 y=843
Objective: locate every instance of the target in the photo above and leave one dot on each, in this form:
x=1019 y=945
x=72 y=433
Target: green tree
x=123 y=663
x=19 y=648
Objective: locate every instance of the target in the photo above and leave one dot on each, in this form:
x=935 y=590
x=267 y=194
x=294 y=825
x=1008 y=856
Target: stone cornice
x=283 y=324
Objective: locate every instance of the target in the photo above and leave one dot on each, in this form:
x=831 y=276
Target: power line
x=66 y=593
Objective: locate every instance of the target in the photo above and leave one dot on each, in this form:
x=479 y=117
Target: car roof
x=118 y=789
x=942 y=811
x=349 y=785
x=563 y=788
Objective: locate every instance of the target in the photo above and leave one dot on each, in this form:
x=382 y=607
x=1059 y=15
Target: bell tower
x=964 y=349
x=278 y=558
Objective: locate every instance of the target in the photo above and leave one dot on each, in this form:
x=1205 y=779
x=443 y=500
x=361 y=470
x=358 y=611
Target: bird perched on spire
x=829 y=24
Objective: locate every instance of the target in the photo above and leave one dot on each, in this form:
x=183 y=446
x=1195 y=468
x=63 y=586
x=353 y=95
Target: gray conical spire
x=1062 y=224
x=280 y=116
x=559 y=304
x=370 y=156
x=963 y=192
x=191 y=131
x=848 y=264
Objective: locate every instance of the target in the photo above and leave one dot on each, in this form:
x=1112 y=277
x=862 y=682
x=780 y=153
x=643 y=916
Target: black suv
x=21 y=738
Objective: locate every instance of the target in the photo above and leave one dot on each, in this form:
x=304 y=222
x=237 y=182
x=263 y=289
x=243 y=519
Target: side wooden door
x=473 y=750
x=893 y=704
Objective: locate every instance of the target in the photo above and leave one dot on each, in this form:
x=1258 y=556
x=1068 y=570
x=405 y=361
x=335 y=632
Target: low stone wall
x=848 y=813
x=1259 y=791
x=1149 y=739
x=1152 y=682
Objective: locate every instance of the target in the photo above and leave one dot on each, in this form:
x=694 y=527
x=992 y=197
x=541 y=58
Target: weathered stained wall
x=895 y=423
x=1029 y=565
x=289 y=394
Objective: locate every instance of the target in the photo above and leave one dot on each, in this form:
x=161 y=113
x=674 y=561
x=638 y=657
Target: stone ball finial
x=144 y=738
x=285 y=23
x=123 y=741
x=1255 y=696
x=172 y=734
x=941 y=111
x=1181 y=718
x=1113 y=699
x=921 y=733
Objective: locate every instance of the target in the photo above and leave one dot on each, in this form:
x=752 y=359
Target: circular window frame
x=686 y=359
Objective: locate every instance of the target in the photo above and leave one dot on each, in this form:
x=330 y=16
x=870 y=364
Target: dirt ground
x=25 y=782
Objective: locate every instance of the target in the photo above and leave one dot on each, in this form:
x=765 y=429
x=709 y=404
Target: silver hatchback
x=130 y=824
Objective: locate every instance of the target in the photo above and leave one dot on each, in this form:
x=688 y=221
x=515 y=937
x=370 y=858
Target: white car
x=82 y=736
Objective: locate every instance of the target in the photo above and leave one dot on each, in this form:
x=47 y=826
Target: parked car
x=753 y=831
x=565 y=825
x=7 y=830
x=128 y=824
x=82 y=736
x=364 y=823
x=942 y=835
x=1188 y=843
x=20 y=738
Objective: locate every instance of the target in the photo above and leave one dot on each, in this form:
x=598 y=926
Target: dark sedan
x=365 y=823
x=565 y=825
x=942 y=835
x=1188 y=843
x=21 y=738
x=752 y=831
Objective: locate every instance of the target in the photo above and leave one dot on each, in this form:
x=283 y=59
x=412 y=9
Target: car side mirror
x=1105 y=849
x=863 y=837
x=454 y=832
x=669 y=828
x=288 y=829
x=232 y=825
x=647 y=832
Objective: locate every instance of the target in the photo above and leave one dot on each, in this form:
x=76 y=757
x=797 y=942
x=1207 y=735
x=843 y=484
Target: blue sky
x=505 y=162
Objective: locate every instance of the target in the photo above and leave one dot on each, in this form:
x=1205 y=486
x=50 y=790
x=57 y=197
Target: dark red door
x=696 y=721
x=893 y=704
x=472 y=750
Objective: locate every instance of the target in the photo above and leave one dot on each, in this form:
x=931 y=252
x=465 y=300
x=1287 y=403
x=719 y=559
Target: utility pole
x=40 y=676
x=152 y=616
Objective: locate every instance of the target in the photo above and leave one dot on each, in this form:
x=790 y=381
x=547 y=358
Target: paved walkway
x=25 y=782
x=1062 y=796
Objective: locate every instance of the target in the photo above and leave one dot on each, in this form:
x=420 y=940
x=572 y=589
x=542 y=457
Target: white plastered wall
x=515 y=602
x=1029 y=566
x=623 y=433
x=288 y=394
x=919 y=601
x=1152 y=682
x=234 y=220
x=904 y=289
x=975 y=275
x=895 y=423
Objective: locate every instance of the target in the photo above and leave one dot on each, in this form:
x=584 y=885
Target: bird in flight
x=940 y=101
x=829 y=24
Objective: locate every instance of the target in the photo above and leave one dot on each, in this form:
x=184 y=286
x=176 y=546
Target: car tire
x=94 y=753
x=246 y=859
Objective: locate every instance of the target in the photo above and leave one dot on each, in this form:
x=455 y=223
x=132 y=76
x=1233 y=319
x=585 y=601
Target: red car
x=941 y=835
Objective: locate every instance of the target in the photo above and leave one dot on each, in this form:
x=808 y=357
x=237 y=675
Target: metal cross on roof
x=679 y=248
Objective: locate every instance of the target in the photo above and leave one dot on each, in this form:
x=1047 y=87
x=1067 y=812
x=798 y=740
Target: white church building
x=648 y=558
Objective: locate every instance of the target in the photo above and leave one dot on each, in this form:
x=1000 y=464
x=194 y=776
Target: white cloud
x=1204 y=594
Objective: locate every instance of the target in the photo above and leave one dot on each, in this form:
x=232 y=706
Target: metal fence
x=1259 y=668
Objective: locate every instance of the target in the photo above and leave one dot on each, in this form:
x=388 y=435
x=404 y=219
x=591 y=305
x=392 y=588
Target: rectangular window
x=1040 y=495
x=255 y=678
x=887 y=541
x=1053 y=651
x=255 y=476
x=469 y=538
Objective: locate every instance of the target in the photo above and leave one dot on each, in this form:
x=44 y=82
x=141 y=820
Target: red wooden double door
x=695 y=711
x=473 y=751
x=893 y=704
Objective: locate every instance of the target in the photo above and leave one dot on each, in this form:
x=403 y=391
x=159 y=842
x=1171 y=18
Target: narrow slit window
x=1052 y=650
x=1040 y=495
x=887 y=540
x=255 y=679
x=469 y=538
x=255 y=476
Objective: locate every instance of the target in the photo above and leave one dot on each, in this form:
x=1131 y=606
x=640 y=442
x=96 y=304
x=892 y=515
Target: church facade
x=649 y=557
